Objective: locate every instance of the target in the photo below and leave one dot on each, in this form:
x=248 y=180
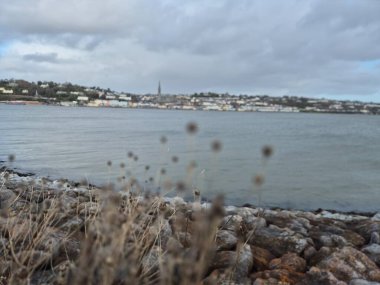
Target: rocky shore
x=59 y=232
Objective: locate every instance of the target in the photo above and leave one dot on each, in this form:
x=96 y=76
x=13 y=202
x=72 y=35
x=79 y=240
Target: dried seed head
x=162 y=207
x=109 y=260
x=267 y=151
x=122 y=165
x=130 y=154
x=135 y=158
x=109 y=163
x=147 y=167
x=216 y=146
x=191 y=128
x=11 y=158
x=197 y=192
x=217 y=207
x=151 y=179
x=258 y=180
x=191 y=166
x=163 y=140
x=181 y=186
x=174 y=159
x=163 y=171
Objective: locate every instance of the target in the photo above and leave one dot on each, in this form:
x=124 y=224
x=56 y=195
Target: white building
x=82 y=98
x=7 y=91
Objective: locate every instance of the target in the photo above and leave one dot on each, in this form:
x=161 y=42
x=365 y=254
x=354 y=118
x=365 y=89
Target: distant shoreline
x=38 y=103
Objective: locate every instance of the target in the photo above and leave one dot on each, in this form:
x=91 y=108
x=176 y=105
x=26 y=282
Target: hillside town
x=68 y=94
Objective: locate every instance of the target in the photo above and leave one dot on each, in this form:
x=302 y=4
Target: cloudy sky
x=297 y=47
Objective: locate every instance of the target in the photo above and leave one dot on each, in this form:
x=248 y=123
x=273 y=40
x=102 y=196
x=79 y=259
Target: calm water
x=327 y=161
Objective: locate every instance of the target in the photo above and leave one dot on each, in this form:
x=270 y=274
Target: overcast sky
x=296 y=47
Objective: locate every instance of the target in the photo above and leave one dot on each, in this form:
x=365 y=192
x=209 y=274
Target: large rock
x=316 y=276
x=348 y=263
x=261 y=258
x=226 y=240
x=367 y=228
x=239 y=261
x=286 y=219
x=231 y=223
x=373 y=252
x=290 y=262
x=277 y=276
x=6 y=198
x=279 y=241
x=335 y=235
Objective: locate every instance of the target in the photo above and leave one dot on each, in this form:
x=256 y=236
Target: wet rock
x=348 y=263
x=290 y=262
x=226 y=240
x=373 y=252
x=261 y=258
x=278 y=240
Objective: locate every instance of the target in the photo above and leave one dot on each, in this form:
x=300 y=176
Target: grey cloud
x=42 y=57
x=306 y=47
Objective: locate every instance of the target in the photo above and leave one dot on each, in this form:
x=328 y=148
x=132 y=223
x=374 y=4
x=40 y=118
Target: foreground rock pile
x=55 y=233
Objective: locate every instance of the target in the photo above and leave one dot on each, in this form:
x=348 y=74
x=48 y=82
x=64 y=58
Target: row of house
x=3 y=90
